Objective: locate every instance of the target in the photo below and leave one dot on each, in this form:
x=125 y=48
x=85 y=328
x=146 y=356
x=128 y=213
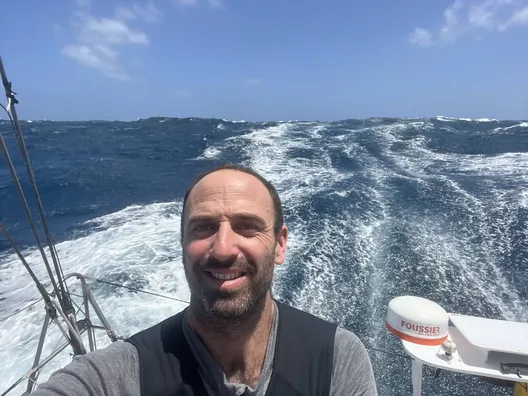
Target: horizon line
x=438 y=117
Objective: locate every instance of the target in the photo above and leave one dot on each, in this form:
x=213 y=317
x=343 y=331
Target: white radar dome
x=417 y=320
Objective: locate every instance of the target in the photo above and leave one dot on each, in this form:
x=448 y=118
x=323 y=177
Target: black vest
x=302 y=366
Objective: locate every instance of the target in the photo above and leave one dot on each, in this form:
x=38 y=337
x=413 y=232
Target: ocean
x=376 y=208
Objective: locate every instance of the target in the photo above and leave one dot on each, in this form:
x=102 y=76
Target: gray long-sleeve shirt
x=114 y=370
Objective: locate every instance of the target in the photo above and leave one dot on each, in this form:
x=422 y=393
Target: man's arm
x=352 y=374
x=112 y=371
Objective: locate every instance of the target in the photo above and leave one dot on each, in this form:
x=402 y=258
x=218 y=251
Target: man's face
x=229 y=247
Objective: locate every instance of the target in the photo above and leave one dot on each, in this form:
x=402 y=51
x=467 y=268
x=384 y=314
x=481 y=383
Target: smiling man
x=234 y=338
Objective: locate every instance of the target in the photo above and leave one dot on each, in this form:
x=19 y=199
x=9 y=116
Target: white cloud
x=147 y=11
x=99 y=57
x=452 y=28
x=464 y=17
x=124 y=13
x=421 y=37
x=480 y=15
x=216 y=4
x=519 y=18
x=109 y=31
x=106 y=51
x=98 y=39
x=185 y=2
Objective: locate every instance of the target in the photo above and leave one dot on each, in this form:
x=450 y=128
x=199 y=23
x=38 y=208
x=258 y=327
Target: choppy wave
x=376 y=208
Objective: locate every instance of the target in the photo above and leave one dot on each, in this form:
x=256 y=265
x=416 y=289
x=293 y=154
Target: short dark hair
x=277 y=205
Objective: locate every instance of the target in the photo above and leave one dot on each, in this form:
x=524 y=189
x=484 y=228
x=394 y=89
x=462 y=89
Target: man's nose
x=224 y=245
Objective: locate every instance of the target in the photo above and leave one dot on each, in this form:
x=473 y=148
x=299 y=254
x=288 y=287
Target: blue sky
x=267 y=60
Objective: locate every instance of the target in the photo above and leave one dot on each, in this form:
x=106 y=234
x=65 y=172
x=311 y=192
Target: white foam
x=270 y=151
x=138 y=246
x=521 y=125
x=413 y=159
x=470 y=270
x=210 y=152
x=445 y=118
x=234 y=121
x=485 y=120
x=523 y=198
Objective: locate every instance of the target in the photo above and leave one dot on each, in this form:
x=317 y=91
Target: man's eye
x=202 y=227
x=248 y=226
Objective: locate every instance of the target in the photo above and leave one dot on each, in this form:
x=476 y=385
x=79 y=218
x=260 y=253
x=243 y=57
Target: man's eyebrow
x=249 y=217
x=238 y=216
x=200 y=218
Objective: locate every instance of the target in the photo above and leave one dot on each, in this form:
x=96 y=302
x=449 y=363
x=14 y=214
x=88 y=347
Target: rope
x=40 y=287
x=136 y=290
x=105 y=282
x=20 y=310
x=28 y=214
x=174 y=299
x=26 y=376
x=61 y=292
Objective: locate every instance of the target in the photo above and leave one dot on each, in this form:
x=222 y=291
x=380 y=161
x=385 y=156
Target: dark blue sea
x=376 y=208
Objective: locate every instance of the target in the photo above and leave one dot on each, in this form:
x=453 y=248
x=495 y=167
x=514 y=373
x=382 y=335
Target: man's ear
x=280 y=248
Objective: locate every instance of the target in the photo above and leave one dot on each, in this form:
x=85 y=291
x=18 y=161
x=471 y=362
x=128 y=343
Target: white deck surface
x=470 y=359
x=492 y=334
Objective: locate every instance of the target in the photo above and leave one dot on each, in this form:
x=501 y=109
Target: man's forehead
x=228 y=186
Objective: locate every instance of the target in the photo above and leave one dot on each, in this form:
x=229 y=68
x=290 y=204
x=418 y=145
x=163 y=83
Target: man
x=234 y=338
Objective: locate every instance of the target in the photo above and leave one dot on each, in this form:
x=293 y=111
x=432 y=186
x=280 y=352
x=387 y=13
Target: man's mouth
x=225 y=275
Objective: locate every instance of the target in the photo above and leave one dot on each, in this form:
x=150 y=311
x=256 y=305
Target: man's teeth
x=226 y=276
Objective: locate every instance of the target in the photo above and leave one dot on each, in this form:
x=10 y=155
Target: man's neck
x=241 y=352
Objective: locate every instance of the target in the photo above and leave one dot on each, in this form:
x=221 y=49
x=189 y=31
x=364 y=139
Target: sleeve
x=352 y=373
x=112 y=371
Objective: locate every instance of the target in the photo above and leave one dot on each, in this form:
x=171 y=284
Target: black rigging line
x=61 y=292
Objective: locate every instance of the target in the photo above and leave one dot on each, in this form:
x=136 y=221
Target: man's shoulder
x=116 y=350
x=109 y=371
x=118 y=354
x=348 y=340
x=349 y=348
x=352 y=372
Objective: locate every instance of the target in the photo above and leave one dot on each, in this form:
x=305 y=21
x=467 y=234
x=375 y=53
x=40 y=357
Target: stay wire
x=135 y=289
x=30 y=219
x=395 y=354
x=62 y=295
x=20 y=310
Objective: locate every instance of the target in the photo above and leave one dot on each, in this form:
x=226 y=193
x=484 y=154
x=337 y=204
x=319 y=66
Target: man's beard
x=225 y=308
